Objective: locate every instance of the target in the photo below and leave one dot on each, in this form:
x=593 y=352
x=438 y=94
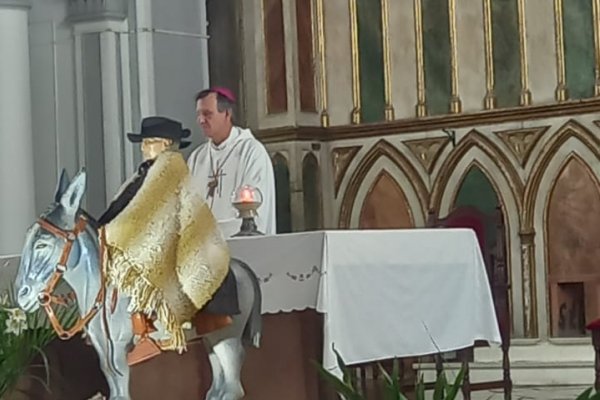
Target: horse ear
x=62 y=185
x=71 y=198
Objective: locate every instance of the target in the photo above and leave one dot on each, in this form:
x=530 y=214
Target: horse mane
x=92 y=221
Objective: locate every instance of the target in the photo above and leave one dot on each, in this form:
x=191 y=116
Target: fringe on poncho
x=165 y=250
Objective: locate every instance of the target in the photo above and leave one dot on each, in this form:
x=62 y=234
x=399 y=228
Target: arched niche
x=385 y=206
x=573 y=229
x=282 y=193
x=476 y=190
x=311 y=193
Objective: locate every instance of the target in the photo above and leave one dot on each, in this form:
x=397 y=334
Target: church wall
x=500 y=84
x=97 y=68
x=397 y=60
x=541 y=50
x=429 y=171
x=402 y=55
x=53 y=102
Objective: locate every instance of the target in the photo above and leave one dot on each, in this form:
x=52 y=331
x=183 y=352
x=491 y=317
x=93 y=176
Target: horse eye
x=40 y=246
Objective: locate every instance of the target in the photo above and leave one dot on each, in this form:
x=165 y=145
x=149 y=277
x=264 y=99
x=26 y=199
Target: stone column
x=17 y=204
x=102 y=57
x=529 y=283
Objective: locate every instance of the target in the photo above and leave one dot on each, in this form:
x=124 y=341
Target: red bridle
x=46 y=297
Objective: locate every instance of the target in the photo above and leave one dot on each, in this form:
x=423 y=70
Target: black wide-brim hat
x=161 y=127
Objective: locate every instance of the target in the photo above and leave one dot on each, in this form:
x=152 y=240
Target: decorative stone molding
x=94 y=10
x=522 y=141
x=341 y=157
x=427 y=151
x=15 y=3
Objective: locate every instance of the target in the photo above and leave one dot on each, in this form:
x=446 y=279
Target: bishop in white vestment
x=221 y=169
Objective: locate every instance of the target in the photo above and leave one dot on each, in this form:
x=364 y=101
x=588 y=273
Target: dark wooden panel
x=225 y=48
x=305 y=55
x=275 y=57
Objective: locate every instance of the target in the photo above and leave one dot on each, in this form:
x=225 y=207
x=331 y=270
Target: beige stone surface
x=471 y=54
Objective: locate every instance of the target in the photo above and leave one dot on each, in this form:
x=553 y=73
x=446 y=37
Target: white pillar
x=17 y=202
x=115 y=99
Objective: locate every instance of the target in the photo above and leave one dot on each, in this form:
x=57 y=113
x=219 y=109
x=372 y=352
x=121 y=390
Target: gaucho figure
x=163 y=246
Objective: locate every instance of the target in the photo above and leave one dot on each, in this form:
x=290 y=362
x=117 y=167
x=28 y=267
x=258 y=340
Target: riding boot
x=146 y=348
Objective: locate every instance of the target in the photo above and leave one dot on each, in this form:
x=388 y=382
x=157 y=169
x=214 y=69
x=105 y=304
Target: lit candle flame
x=247 y=196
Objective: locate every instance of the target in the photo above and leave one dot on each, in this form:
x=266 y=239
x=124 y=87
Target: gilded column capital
x=15 y=3
x=97 y=10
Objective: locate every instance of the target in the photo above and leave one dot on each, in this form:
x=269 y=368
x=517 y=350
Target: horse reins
x=46 y=297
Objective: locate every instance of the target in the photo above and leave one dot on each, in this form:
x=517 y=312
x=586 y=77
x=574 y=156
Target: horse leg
x=216 y=387
x=119 y=389
x=116 y=371
x=230 y=353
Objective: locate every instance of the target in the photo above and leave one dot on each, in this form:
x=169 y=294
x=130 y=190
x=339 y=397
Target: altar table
x=382 y=293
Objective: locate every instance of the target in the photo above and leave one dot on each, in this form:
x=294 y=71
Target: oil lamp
x=246 y=199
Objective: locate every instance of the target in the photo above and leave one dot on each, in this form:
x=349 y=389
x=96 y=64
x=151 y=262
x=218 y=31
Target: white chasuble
x=219 y=170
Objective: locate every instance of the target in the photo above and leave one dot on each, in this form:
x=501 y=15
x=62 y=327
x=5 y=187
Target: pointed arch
x=570 y=130
x=381 y=149
x=571 y=141
x=282 y=193
x=385 y=205
x=490 y=152
x=572 y=226
x=477 y=190
x=311 y=192
x=478 y=152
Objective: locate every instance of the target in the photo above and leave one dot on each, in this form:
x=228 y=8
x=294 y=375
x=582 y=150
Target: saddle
x=216 y=314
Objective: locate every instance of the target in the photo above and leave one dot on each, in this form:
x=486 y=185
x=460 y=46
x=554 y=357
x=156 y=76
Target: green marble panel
x=477 y=191
x=578 y=31
x=436 y=57
x=505 y=41
x=370 y=45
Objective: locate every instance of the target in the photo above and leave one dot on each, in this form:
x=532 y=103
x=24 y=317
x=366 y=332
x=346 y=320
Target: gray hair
x=223 y=103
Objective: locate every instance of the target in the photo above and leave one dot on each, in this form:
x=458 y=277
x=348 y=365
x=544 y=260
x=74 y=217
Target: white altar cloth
x=383 y=293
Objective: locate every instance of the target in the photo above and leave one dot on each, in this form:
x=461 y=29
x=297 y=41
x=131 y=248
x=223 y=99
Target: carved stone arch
x=382 y=148
x=279 y=157
x=475 y=139
x=571 y=129
x=571 y=226
x=560 y=155
x=476 y=156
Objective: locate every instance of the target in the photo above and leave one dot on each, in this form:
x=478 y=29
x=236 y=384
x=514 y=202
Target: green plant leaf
x=440 y=387
x=596 y=396
x=453 y=390
x=585 y=395
x=341 y=387
x=420 y=389
x=393 y=390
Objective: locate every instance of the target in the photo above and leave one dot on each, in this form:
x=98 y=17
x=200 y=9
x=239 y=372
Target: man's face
x=215 y=125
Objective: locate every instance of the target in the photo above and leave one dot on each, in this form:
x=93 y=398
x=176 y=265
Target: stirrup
x=144 y=350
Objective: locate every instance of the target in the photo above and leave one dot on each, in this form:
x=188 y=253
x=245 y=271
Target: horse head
x=51 y=247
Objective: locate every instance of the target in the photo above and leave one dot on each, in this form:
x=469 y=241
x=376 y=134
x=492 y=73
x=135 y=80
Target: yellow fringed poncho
x=165 y=249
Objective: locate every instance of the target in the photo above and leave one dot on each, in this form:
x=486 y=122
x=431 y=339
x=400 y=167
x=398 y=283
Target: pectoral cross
x=216 y=179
